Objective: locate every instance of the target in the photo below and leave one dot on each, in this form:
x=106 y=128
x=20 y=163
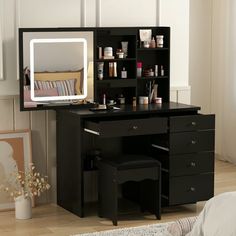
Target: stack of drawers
x=187 y=158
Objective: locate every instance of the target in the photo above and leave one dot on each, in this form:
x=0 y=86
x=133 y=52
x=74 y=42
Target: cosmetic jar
x=157 y=100
x=108 y=52
x=159 y=41
x=143 y=100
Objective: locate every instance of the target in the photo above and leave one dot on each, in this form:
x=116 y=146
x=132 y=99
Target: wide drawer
x=116 y=128
x=190 y=189
x=189 y=142
x=190 y=164
x=191 y=123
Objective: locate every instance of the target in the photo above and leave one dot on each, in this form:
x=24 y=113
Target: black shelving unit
x=133 y=86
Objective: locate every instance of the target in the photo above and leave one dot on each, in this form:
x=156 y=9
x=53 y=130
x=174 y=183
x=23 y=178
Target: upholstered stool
x=120 y=170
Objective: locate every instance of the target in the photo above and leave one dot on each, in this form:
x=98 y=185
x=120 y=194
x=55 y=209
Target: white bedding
x=218 y=218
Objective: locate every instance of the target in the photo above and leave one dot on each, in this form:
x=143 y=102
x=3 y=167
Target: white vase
x=23 y=208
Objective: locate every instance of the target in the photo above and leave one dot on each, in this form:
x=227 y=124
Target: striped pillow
x=182 y=226
x=64 y=87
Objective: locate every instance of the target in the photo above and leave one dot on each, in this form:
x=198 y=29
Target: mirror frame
x=21 y=67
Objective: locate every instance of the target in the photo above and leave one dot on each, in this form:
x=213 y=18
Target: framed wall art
x=15 y=155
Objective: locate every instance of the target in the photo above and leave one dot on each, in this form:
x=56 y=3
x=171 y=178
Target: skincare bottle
x=160 y=41
x=100 y=70
x=156 y=70
x=162 y=71
x=134 y=102
x=123 y=73
x=153 y=43
x=139 y=69
x=124 y=46
x=111 y=69
x=99 y=52
x=104 y=99
x=115 y=69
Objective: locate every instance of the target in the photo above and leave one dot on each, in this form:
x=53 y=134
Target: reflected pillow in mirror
x=64 y=87
x=63 y=75
x=40 y=93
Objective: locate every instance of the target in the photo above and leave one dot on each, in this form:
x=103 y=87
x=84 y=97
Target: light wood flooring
x=51 y=220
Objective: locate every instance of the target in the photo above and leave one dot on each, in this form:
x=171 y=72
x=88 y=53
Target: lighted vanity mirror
x=56 y=67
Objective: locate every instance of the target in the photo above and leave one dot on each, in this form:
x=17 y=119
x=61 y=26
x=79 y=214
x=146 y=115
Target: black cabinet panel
x=190 y=189
x=190 y=164
x=191 y=123
x=127 y=127
x=189 y=142
x=149 y=58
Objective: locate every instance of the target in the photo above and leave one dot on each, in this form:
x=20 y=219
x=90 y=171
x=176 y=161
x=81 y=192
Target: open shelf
x=116 y=59
x=149 y=57
x=153 y=77
x=152 y=49
x=117 y=82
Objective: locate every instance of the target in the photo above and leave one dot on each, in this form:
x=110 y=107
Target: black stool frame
x=111 y=176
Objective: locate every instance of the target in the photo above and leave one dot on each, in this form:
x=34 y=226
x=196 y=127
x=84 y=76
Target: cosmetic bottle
x=123 y=73
x=100 y=70
x=134 y=102
x=104 y=99
x=111 y=69
x=99 y=52
x=114 y=69
x=156 y=70
x=160 y=41
x=162 y=71
x=124 y=46
x=153 y=43
x=139 y=69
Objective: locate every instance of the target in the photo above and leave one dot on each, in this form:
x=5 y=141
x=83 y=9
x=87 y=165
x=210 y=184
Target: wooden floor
x=51 y=220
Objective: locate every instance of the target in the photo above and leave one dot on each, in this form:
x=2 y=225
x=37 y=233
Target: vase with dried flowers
x=25 y=185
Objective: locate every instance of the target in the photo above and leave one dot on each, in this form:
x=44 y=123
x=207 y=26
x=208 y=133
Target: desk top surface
x=171 y=107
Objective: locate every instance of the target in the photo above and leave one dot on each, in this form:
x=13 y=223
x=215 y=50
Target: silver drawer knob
x=192 y=189
x=192 y=164
x=193 y=142
x=193 y=123
x=135 y=127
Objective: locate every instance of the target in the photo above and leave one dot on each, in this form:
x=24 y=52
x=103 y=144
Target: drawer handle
x=193 y=123
x=192 y=189
x=192 y=164
x=135 y=127
x=193 y=142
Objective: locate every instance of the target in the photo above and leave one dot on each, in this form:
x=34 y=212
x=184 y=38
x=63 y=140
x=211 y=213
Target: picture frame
x=15 y=155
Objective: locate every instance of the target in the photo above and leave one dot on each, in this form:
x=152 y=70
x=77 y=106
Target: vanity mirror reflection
x=54 y=65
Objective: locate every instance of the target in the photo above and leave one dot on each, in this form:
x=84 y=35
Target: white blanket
x=218 y=217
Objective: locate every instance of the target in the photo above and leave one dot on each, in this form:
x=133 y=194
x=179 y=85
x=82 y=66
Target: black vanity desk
x=176 y=134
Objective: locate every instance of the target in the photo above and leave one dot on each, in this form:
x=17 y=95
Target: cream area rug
x=146 y=230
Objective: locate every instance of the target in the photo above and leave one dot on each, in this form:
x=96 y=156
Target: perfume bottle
x=123 y=73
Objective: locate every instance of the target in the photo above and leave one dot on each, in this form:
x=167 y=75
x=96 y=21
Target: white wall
x=175 y=13
x=129 y=13
x=200 y=53
x=1 y=43
x=55 y=13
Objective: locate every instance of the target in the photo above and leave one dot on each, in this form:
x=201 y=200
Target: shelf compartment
x=152 y=49
x=114 y=83
x=153 y=77
x=116 y=59
x=188 y=189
